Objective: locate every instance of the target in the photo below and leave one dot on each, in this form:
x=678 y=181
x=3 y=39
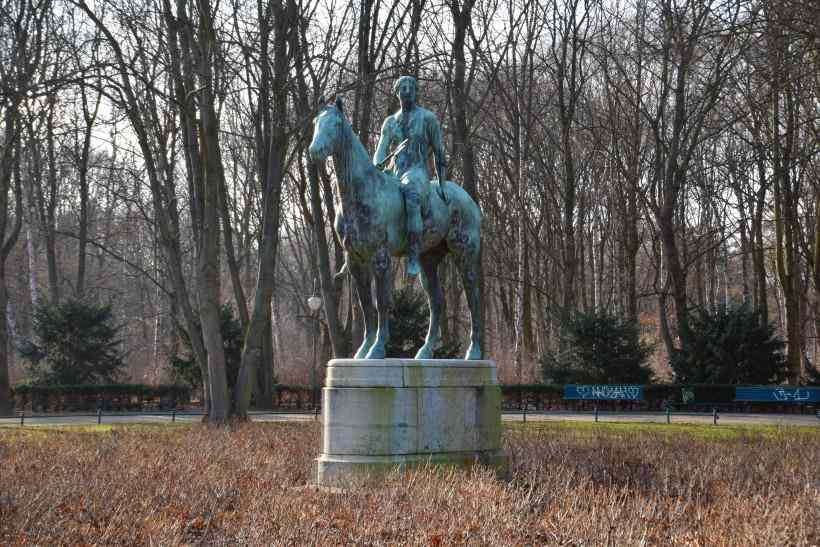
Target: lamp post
x=314 y=303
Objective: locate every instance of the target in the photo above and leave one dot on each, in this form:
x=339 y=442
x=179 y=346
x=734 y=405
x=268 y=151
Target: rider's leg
x=412 y=202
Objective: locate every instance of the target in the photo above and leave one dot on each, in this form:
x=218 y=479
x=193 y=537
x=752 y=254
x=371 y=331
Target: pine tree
x=409 y=318
x=182 y=367
x=76 y=343
x=731 y=346
x=598 y=349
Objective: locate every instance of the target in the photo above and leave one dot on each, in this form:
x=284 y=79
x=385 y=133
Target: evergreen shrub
x=598 y=348
x=409 y=320
x=183 y=368
x=74 y=342
x=730 y=346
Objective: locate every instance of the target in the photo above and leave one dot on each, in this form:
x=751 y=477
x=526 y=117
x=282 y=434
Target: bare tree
x=282 y=16
x=699 y=46
x=22 y=50
x=139 y=104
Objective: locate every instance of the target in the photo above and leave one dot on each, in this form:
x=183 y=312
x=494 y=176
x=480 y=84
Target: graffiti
x=799 y=395
x=795 y=395
x=604 y=392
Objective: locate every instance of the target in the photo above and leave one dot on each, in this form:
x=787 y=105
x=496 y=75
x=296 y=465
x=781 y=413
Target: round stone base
x=383 y=414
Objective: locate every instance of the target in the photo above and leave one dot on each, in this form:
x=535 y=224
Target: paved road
x=91 y=419
x=660 y=417
x=626 y=417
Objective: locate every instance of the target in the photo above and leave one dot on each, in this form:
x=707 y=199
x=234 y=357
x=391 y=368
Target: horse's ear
x=340 y=105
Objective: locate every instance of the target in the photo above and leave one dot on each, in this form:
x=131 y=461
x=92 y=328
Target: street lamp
x=314 y=303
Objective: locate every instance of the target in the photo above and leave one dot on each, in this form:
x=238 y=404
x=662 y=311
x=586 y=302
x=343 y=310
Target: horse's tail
x=341 y=272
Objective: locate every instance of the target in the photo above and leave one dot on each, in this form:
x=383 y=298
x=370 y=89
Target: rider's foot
x=413 y=267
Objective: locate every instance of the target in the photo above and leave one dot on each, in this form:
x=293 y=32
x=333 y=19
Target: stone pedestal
x=382 y=413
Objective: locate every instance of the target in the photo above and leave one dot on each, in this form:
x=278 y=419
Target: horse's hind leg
x=435 y=299
x=361 y=276
x=470 y=266
x=384 y=296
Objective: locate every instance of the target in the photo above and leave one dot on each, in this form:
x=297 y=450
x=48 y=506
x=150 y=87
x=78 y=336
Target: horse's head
x=327 y=128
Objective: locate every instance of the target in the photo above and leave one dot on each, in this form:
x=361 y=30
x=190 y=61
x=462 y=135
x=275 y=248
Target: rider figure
x=420 y=128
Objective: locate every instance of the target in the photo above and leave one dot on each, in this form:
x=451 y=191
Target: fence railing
x=171 y=415
x=595 y=414
x=579 y=398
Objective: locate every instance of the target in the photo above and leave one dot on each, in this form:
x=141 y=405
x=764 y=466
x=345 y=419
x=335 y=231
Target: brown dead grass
x=193 y=485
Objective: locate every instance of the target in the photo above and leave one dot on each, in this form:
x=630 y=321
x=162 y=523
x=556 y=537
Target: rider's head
x=405 y=89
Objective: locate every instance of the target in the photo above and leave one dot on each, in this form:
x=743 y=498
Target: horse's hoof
x=375 y=353
x=424 y=353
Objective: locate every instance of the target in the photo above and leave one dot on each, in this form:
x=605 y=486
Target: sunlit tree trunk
x=282 y=15
x=783 y=127
x=9 y=169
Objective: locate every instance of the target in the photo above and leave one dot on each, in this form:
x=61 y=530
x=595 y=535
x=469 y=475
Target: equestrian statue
x=391 y=207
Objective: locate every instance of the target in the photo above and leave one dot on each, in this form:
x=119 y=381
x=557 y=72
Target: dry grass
x=570 y=486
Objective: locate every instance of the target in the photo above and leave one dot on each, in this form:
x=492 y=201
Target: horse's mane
x=349 y=150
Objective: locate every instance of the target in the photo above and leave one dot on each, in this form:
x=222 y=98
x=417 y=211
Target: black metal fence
x=516 y=397
x=172 y=416
x=698 y=398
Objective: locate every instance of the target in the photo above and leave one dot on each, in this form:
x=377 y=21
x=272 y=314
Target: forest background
x=647 y=159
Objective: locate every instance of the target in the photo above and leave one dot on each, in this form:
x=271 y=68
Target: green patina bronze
x=394 y=212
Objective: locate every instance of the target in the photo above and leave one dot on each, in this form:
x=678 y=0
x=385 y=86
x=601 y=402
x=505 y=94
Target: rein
x=344 y=150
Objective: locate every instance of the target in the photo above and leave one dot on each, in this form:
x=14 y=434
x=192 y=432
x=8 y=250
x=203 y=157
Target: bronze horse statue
x=371 y=226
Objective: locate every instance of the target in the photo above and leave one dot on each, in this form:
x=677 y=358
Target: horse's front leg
x=361 y=277
x=384 y=295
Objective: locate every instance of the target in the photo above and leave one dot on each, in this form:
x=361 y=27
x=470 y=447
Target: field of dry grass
x=571 y=485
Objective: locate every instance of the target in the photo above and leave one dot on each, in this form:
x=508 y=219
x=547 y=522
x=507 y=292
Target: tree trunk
x=462 y=143
x=786 y=214
x=208 y=270
x=677 y=275
x=89 y=116
x=6 y=403
x=263 y=388
x=327 y=286
x=230 y=255
x=48 y=210
x=161 y=182
x=522 y=308
x=9 y=164
x=366 y=83
x=253 y=350
x=745 y=247
x=32 y=246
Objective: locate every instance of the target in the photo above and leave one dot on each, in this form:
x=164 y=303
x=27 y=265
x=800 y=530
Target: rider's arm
x=437 y=144
x=383 y=148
